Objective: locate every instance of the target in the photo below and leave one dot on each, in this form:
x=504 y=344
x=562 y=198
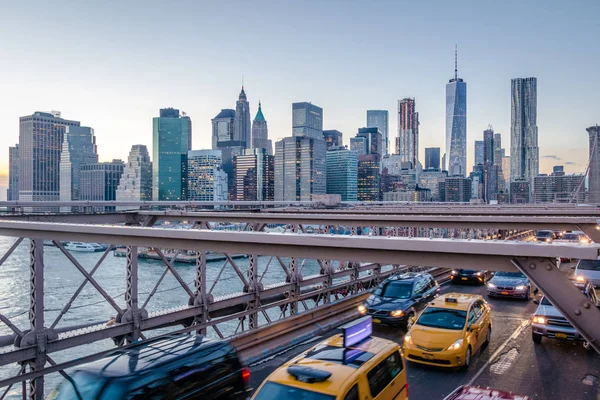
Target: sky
x=112 y=65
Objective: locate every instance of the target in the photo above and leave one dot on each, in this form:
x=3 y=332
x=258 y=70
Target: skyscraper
x=456 y=124
x=594 y=161
x=333 y=138
x=479 y=152
x=432 y=157
x=99 y=181
x=458 y=189
x=342 y=173
x=300 y=168
x=374 y=140
x=359 y=144
x=12 y=193
x=369 y=178
x=524 y=150
x=78 y=148
x=254 y=176
x=260 y=133
x=241 y=126
x=222 y=130
x=136 y=181
x=407 y=144
x=490 y=169
x=379 y=119
x=40 y=144
x=307 y=120
x=206 y=179
x=170 y=145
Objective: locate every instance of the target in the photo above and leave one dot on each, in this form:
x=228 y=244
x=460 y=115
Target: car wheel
x=537 y=338
x=488 y=337
x=467 y=357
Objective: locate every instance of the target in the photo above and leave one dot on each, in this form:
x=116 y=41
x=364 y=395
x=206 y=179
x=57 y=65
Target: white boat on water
x=83 y=247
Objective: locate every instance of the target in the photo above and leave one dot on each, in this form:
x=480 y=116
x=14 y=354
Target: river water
x=62 y=279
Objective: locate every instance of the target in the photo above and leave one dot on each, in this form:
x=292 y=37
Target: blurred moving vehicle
x=173 y=367
x=509 y=284
x=588 y=270
x=352 y=365
x=544 y=236
x=573 y=237
x=449 y=331
x=549 y=322
x=470 y=276
x=397 y=300
x=479 y=393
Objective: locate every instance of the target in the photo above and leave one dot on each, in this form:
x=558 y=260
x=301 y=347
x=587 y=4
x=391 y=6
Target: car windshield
x=543 y=234
x=510 y=274
x=443 y=318
x=395 y=290
x=545 y=302
x=589 y=265
x=273 y=390
x=467 y=271
x=571 y=236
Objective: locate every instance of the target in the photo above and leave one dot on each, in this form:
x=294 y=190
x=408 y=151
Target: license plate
x=428 y=356
x=561 y=335
x=464 y=279
x=377 y=321
x=503 y=292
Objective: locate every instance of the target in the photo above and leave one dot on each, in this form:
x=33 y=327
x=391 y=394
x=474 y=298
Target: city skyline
x=122 y=88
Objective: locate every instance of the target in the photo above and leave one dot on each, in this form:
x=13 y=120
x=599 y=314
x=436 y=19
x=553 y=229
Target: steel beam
x=36 y=315
x=561 y=292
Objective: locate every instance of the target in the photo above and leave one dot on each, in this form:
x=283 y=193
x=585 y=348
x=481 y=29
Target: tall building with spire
x=260 y=132
x=524 y=150
x=456 y=123
x=241 y=125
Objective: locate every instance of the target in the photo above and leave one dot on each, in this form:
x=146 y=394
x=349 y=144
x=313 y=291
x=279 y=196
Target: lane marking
x=500 y=349
x=504 y=362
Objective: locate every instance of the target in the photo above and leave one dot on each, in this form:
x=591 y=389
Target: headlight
x=407 y=338
x=535 y=239
x=478 y=273
x=454 y=272
x=397 y=313
x=580 y=278
x=362 y=309
x=539 y=320
x=491 y=285
x=456 y=345
x=584 y=241
x=521 y=287
x=547 y=240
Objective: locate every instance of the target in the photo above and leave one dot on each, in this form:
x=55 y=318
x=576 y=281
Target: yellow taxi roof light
x=451 y=300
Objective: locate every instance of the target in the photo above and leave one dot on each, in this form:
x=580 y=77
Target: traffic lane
x=425 y=382
x=550 y=370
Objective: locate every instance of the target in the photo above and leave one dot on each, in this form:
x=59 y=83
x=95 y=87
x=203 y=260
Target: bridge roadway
x=551 y=370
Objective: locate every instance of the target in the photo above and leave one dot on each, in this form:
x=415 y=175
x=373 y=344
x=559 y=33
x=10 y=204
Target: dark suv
x=173 y=367
x=397 y=300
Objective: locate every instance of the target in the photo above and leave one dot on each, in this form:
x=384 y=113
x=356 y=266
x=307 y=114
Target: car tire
x=468 y=356
x=488 y=337
x=537 y=338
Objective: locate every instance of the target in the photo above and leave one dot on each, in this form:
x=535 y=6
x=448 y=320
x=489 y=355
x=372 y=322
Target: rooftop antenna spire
x=242 y=81
x=455 y=62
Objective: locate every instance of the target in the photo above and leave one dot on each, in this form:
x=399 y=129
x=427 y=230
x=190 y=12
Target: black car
x=470 y=276
x=544 y=236
x=173 y=367
x=397 y=300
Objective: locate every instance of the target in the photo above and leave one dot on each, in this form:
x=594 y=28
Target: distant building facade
x=260 y=133
x=478 y=152
x=359 y=144
x=207 y=181
x=458 y=189
x=524 y=150
x=559 y=188
x=307 y=120
x=40 y=145
x=520 y=191
x=594 y=161
x=380 y=119
x=136 y=181
x=254 y=175
x=100 y=181
x=333 y=138
x=241 y=124
x=171 y=141
x=368 y=177
x=78 y=148
x=342 y=173
x=12 y=193
x=300 y=168
x=407 y=144
x=431 y=179
x=456 y=125
x=432 y=158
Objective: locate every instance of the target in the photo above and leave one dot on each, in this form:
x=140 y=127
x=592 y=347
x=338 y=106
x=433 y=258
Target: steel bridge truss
x=348 y=265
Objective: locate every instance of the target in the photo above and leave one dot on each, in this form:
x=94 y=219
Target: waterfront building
x=254 y=175
x=207 y=181
x=136 y=181
x=100 y=181
x=12 y=193
x=78 y=148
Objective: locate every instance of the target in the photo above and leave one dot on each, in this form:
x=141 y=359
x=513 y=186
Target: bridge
x=300 y=277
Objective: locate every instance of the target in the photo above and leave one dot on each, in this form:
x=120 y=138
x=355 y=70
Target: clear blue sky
x=113 y=64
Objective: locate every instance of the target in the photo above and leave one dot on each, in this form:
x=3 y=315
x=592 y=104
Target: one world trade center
x=456 y=124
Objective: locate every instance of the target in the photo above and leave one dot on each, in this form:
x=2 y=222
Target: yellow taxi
x=350 y=366
x=449 y=331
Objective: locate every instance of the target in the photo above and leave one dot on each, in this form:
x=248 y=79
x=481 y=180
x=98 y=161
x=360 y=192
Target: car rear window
x=272 y=390
x=589 y=265
x=571 y=236
x=544 y=234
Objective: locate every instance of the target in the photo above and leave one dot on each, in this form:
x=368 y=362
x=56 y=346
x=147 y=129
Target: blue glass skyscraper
x=456 y=125
x=171 y=141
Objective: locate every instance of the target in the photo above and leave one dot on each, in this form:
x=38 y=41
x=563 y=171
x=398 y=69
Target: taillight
x=246 y=375
x=406 y=388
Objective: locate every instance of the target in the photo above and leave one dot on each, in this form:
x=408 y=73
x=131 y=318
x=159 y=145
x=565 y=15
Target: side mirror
x=474 y=327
